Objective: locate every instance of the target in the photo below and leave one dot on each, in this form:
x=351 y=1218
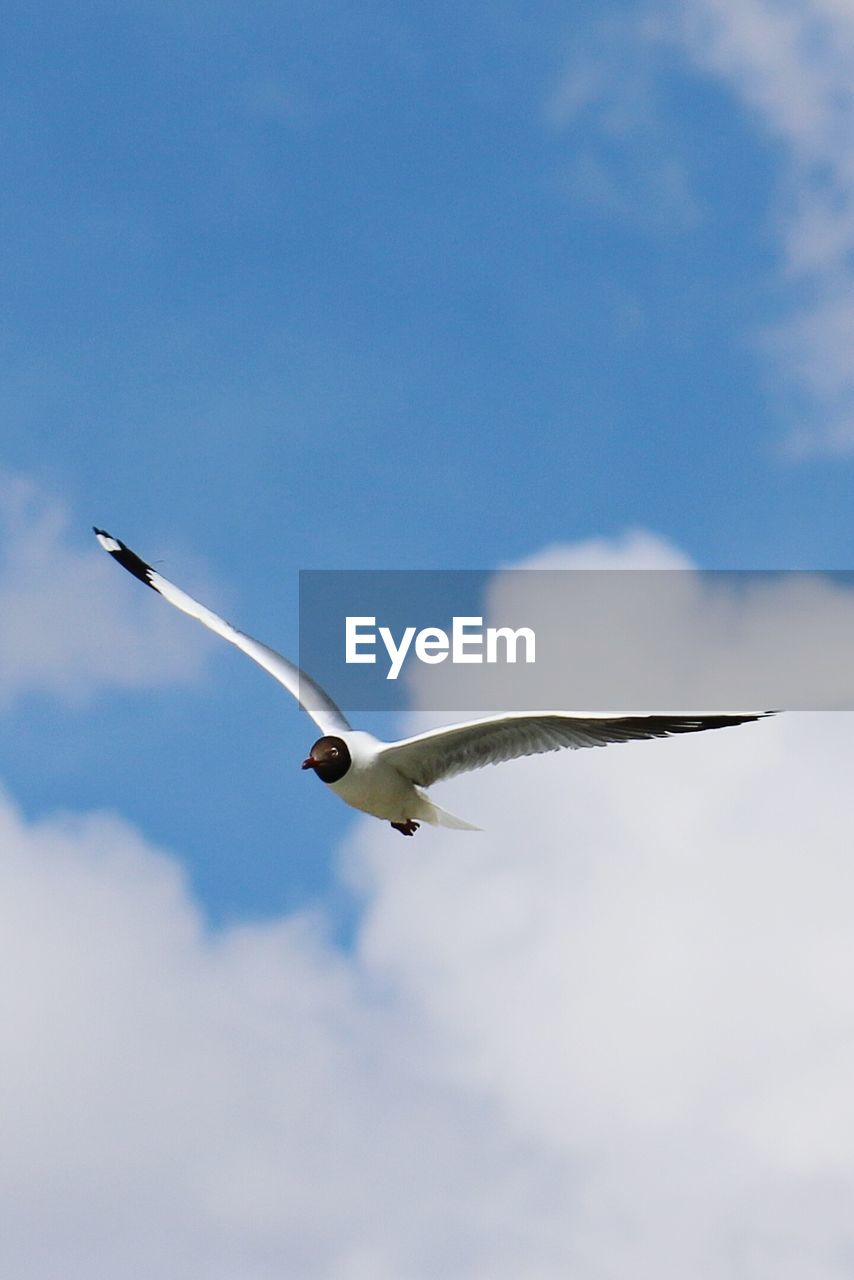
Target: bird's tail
x=438 y=817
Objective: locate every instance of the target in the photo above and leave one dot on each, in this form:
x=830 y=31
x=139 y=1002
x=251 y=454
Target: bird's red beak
x=309 y=763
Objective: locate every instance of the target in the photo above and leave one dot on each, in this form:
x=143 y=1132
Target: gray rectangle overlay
x=605 y=640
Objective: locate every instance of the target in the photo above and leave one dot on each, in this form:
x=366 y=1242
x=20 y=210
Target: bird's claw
x=407 y=828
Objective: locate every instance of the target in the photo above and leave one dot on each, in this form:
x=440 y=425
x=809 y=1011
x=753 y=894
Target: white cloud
x=72 y=622
x=632 y=549
x=646 y=966
x=644 y=641
x=790 y=64
x=621 y=155
x=611 y=1036
x=176 y=1103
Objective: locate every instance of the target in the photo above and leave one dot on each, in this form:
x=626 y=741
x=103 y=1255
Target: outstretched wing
x=309 y=695
x=442 y=753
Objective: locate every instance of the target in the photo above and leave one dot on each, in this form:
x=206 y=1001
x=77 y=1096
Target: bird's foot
x=407 y=828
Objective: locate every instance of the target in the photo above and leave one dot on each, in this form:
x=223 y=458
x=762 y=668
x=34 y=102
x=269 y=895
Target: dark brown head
x=330 y=759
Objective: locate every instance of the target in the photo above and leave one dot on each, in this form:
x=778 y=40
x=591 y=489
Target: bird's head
x=329 y=758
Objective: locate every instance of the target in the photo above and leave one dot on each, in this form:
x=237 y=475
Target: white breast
x=373 y=785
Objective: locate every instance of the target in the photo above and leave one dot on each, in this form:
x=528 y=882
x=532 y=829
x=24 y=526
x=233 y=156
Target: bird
x=389 y=779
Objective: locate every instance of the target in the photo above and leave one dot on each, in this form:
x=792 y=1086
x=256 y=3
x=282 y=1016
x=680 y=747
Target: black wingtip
x=127 y=559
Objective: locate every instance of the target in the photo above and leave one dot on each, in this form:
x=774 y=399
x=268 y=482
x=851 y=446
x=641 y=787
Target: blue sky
x=309 y=288
x=421 y=286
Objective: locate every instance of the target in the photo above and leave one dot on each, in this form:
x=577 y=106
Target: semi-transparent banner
x=580 y=640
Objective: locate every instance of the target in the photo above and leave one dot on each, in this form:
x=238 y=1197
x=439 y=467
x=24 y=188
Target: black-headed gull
x=386 y=779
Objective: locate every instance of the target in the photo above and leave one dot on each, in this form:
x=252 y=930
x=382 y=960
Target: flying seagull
x=386 y=779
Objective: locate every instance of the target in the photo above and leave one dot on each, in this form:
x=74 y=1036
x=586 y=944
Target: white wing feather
x=443 y=753
x=309 y=695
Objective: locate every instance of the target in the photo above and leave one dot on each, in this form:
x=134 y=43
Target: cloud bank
x=610 y=1036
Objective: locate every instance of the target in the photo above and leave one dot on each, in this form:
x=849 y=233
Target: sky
x=319 y=286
